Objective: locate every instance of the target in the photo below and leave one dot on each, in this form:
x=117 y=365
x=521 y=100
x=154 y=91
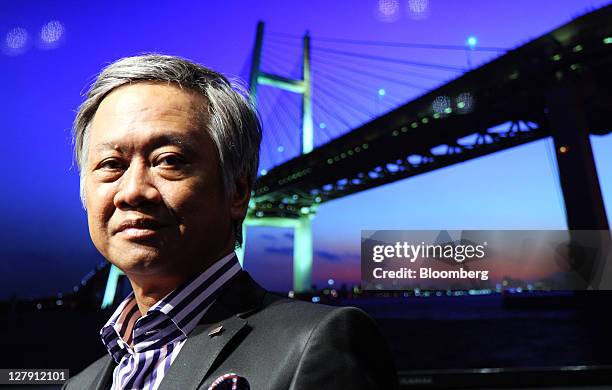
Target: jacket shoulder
x=357 y=354
x=293 y=311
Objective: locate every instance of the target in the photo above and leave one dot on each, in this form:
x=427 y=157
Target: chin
x=138 y=260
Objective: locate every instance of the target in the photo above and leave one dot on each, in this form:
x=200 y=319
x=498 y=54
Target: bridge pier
x=111 y=286
x=584 y=206
x=302 y=245
x=302 y=254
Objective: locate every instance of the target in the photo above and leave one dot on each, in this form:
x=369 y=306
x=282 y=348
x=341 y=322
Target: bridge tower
x=302 y=225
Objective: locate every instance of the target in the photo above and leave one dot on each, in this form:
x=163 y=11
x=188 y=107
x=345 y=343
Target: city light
x=471 y=42
x=16 y=41
x=388 y=10
x=418 y=9
x=51 y=34
x=441 y=104
x=465 y=103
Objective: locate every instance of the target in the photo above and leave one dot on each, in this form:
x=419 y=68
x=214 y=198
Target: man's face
x=153 y=186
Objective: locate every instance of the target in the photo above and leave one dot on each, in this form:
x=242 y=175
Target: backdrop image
x=377 y=115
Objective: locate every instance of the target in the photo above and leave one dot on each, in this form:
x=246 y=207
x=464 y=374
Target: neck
x=151 y=288
x=149 y=291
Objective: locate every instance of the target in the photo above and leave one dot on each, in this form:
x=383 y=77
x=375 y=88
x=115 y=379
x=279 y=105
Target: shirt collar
x=184 y=307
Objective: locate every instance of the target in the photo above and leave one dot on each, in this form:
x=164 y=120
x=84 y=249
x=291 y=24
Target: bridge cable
x=317 y=129
x=403 y=72
x=367 y=93
x=410 y=45
x=284 y=108
x=354 y=104
x=287 y=118
x=346 y=105
x=379 y=77
x=326 y=103
x=447 y=68
x=399 y=71
x=362 y=55
x=276 y=62
x=278 y=124
x=320 y=107
x=269 y=130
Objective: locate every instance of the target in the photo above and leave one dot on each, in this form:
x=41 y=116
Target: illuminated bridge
x=355 y=135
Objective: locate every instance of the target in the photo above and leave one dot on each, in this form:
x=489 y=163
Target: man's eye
x=111 y=164
x=170 y=161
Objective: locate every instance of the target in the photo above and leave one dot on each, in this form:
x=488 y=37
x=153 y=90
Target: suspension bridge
x=342 y=116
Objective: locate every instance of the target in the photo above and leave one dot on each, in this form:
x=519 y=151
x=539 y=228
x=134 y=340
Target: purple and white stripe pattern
x=144 y=347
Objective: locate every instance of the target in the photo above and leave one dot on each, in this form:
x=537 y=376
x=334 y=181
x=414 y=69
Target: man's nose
x=136 y=188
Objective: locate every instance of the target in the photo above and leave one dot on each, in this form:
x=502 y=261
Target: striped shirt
x=144 y=347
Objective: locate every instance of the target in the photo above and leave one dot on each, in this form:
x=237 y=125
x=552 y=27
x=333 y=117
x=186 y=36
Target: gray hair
x=231 y=119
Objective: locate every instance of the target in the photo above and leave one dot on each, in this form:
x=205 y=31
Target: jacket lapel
x=221 y=323
x=105 y=377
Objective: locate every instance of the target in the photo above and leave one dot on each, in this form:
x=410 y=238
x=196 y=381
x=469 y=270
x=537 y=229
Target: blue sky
x=45 y=246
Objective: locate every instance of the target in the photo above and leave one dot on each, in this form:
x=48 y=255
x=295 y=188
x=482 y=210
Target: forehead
x=138 y=113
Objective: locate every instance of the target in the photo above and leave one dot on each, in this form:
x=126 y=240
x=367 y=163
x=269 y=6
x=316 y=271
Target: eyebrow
x=153 y=143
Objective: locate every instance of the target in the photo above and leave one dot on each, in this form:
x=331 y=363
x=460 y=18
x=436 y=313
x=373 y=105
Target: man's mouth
x=141 y=228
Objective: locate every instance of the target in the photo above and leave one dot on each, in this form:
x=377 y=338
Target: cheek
x=196 y=202
x=97 y=222
x=99 y=203
x=97 y=230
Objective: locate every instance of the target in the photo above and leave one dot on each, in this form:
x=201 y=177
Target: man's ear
x=239 y=202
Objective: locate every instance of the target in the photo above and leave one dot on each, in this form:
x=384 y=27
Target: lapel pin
x=216 y=331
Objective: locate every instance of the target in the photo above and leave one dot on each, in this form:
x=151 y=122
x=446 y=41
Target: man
x=168 y=153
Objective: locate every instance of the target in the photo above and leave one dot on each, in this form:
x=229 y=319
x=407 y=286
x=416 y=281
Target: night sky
x=52 y=50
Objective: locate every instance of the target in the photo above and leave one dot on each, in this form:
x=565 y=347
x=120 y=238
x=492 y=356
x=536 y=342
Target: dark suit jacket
x=273 y=342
